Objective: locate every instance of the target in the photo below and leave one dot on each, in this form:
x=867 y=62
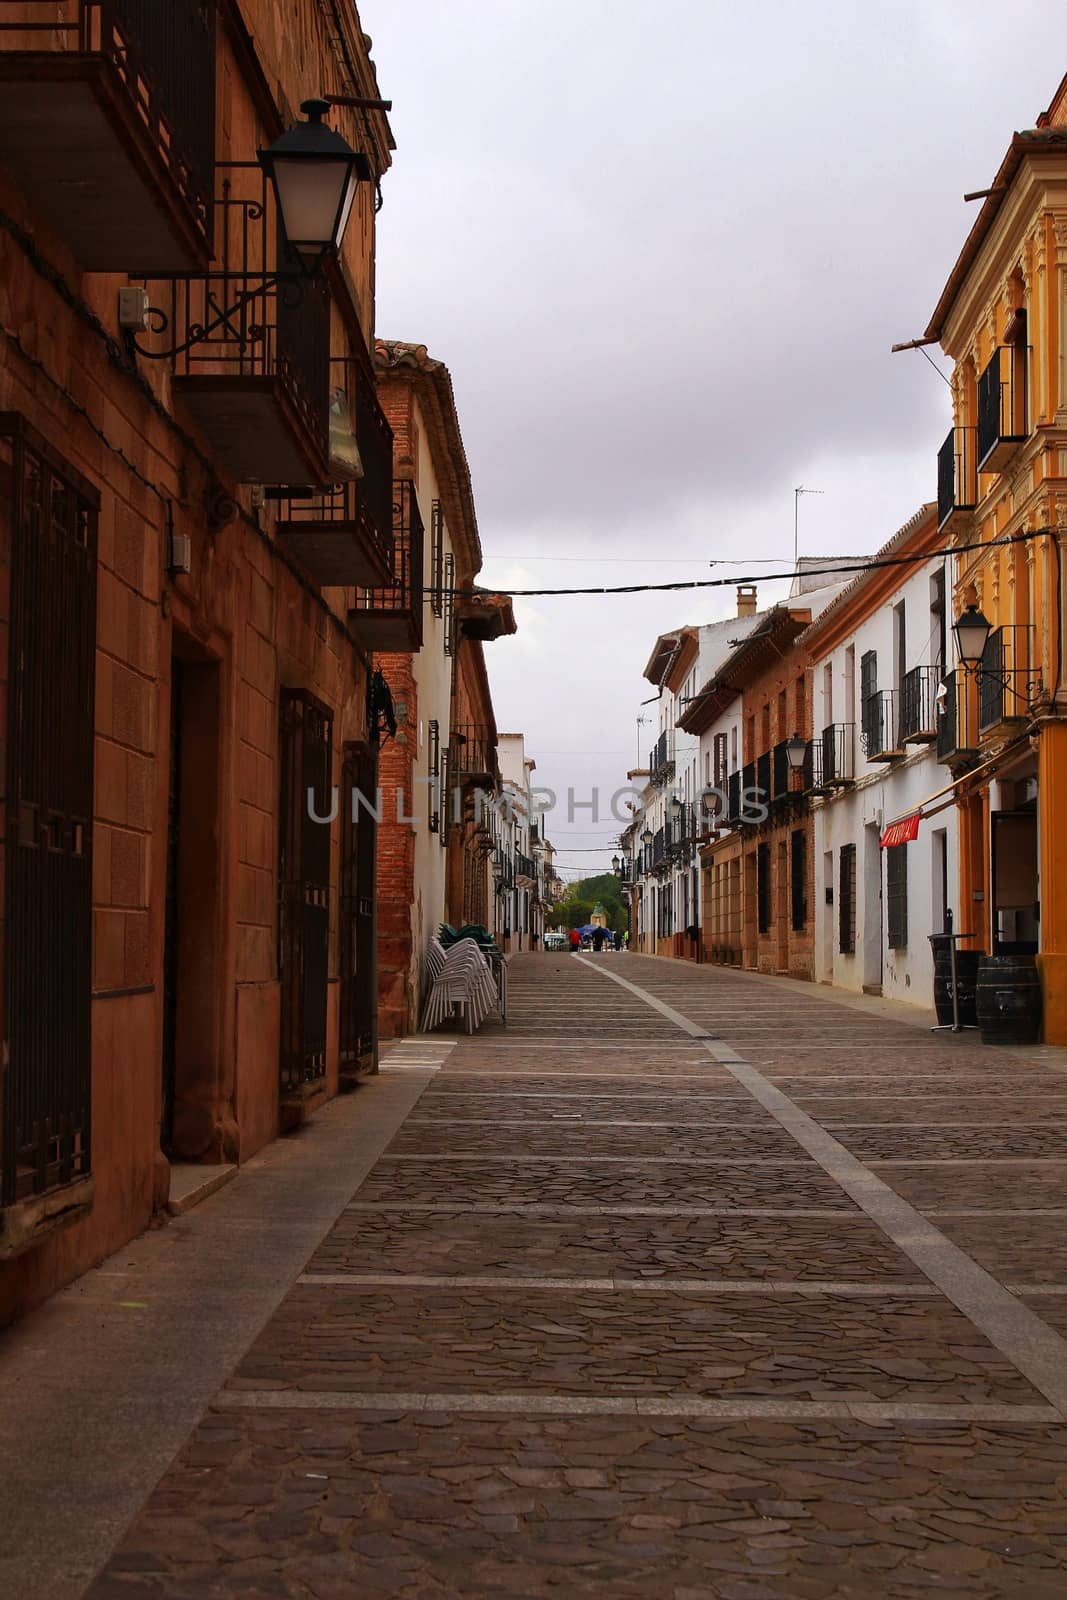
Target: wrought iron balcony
x=881 y=733
x=748 y=785
x=811 y=779
x=957 y=474
x=955 y=746
x=340 y=533
x=1002 y=418
x=107 y=121
x=782 y=786
x=918 y=710
x=661 y=758
x=733 y=799
x=473 y=756
x=252 y=357
x=838 y=755
x=763 y=778
x=658 y=846
x=1007 y=684
x=390 y=617
x=525 y=871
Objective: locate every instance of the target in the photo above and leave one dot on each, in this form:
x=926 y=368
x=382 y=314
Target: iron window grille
x=304 y=885
x=798 y=879
x=449 y=597
x=896 y=895
x=433 y=753
x=437 y=555
x=846 y=909
x=763 y=888
x=47 y=662
x=719 y=762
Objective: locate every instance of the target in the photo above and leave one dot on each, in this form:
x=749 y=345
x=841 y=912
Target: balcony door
x=1013 y=864
x=359 y=969
x=304 y=887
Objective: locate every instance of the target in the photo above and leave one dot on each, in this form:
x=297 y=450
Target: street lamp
x=972 y=630
x=796 y=750
x=314 y=173
x=647 y=836
x=616 y=864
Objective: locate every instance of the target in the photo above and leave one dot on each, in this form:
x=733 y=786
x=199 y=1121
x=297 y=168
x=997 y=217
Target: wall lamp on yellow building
x=972 y=630
x=314 y=174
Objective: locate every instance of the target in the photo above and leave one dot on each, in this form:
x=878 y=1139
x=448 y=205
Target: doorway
x=871 y=953
x=828 y=928
x=1014 y=870
x=359 y=970
x=191 y=1111
x=782 y=911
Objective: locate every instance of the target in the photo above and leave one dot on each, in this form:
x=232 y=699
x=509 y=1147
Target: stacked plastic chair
x=459 y=979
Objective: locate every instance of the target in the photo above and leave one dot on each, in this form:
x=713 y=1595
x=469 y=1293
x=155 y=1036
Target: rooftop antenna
x=641 y=720
x=797 y=492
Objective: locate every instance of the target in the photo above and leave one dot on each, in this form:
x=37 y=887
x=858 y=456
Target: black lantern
x=647 y=836
x=314 y=173
x=616 y=864
x=796 y=749
x=972 y=630
x=676 y=807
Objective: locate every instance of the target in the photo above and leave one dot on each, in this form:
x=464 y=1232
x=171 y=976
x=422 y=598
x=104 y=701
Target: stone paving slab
x=935 y=1110
x=1014 y=1186
x=586 y=1342
x=559 y=1138
x=713 y=1105
x=680 y=1183
x=1017 y=1249
x=844 y=1248
x=404 y=1507
x=920 y=1143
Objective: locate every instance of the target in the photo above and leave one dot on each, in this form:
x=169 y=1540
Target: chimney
x=746 y=599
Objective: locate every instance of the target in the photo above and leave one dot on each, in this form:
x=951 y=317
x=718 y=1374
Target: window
x=306 y=754
x=900 y=645
x=846 y=900
x=938 y=626
x=48 y=517
x=448 y=600
x=870 y=707
x=896 y=895
x=733 y=747
x=798 y=878
x=799 y=719
x=721 y=769
x=437 y=553
x=763 y=888
x=433 y=756
x=827 y=694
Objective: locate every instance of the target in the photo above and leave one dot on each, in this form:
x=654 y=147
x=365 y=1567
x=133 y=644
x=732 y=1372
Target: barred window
x=449 y=599
x=433 y=753
x=798 y=868
x=720 y=768
x=846 y=909
x=896 y=895
x=763 y=888
x=437 y=558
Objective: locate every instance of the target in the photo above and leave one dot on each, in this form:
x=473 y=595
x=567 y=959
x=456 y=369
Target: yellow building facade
x=1002 y=504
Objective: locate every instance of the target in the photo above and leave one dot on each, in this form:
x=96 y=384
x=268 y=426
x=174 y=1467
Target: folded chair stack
x=458 y=979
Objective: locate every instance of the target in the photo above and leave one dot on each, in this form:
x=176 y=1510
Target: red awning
x=901 y=832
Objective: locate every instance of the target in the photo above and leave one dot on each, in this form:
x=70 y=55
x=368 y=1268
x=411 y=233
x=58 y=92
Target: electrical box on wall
x=180 y=558
x=133 y=308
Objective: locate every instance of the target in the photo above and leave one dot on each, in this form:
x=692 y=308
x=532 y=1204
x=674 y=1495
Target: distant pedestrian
x=618 y=938
x=576 y=941
x=598 y=940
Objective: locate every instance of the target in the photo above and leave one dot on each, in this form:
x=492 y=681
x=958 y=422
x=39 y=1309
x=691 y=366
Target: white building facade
x=878 y=662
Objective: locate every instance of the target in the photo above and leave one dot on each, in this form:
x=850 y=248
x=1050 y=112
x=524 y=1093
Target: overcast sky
x=664 y=249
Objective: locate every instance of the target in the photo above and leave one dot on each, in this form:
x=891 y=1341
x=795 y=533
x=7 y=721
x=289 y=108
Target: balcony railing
x=1007 y=685
x=256 y=373
x=749 y=800
x=838 y=755
x=811 y=768
x=473 y=758
x=107 y=120
x=881 y=733
x=1002 y=419
x=658 y=847
x=525 y=870
x=918 y=711
x=955 y=747
x=957 y=474
x=661 y=758
x=733 y=799
x=782 y=789
x=390 y=617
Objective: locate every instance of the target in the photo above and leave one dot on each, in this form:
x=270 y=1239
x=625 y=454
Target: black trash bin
x=1009 y=1000
x=967 y=963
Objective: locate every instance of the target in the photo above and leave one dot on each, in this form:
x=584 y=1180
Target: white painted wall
x=882 y=794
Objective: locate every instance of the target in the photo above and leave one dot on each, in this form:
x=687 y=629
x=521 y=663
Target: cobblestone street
x=687 y=1284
